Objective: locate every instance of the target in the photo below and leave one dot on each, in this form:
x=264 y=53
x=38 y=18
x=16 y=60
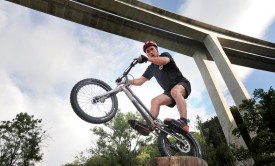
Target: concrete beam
x=146 y=14
x=249 y=60
x=139 y=21
x=248 y=47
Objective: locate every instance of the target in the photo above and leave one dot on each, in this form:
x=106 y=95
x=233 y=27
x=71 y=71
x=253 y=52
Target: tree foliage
x=118 y=144
x=259 y=119
x=20 y=141
x=213 y=143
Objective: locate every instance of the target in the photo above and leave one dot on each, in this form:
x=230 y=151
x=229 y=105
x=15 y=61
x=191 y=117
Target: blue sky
x=42 y=57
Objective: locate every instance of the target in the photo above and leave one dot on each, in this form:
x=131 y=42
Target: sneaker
x=140 y=127
x=179 y=122
x=184 y=125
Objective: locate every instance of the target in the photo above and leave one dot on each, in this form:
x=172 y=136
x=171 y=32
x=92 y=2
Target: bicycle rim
x=88 y=107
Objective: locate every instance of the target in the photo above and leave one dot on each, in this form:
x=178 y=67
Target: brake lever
x=118 y=80
x=135 y=61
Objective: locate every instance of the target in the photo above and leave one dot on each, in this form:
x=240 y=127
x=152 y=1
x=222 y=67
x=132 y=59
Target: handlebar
x=126 y=72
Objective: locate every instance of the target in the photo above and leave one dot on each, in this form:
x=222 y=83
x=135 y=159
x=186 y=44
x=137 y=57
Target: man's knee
x=155 y=101
x=161 y=100
x=178 y=92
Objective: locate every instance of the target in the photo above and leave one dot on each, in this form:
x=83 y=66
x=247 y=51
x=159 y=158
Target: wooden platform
x=177 y=161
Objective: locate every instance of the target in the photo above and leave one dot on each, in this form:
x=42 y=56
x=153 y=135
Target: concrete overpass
x=139 y=21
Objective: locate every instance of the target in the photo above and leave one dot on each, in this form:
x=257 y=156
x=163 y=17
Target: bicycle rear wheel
x=88 y=106
x=170 y=146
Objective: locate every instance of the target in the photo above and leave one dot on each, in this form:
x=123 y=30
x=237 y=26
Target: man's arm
x=159 y=60
x=138 y=81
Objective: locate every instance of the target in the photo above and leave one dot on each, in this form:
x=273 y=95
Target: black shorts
x=186 y=84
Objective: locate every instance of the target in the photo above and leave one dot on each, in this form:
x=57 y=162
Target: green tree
x=21 y=140
x=259 y=118
x=213 y=143
x=118 y=144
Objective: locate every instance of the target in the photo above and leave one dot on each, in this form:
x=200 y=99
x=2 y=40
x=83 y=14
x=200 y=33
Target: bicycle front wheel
x=186 y=146
x=88 y=106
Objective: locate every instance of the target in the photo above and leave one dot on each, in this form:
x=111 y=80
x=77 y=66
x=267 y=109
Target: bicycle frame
x=142 y=109
x=125 y=87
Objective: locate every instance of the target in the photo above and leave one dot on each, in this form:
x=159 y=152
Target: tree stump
x=177 y=161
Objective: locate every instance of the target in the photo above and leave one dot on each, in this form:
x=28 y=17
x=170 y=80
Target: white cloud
x=12 y=100
x=3 y=19
x=222 y=13
x=249 y=17
x=256 y=18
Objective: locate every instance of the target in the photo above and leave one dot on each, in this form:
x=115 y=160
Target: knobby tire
x=169 y=146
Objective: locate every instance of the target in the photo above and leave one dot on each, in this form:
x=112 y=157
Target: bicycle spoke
x=85 y=96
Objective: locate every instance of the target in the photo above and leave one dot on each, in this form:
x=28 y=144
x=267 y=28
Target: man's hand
x=142 y=59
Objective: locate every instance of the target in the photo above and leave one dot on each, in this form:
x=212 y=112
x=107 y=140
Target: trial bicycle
x=94 y=101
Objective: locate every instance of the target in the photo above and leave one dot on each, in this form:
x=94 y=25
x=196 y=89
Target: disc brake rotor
x=184 y=146
x=97 y=99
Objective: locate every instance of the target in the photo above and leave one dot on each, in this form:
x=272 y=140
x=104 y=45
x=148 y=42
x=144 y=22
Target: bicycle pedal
x=139 y=127
x=175 y=125
x=173 y=122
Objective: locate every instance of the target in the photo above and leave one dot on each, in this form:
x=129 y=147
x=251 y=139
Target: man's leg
x=157 y=102
x=178 y=92
x=155 y=107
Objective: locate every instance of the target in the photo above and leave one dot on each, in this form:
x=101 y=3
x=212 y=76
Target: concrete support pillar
x=222 y=109
x=232 y=81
